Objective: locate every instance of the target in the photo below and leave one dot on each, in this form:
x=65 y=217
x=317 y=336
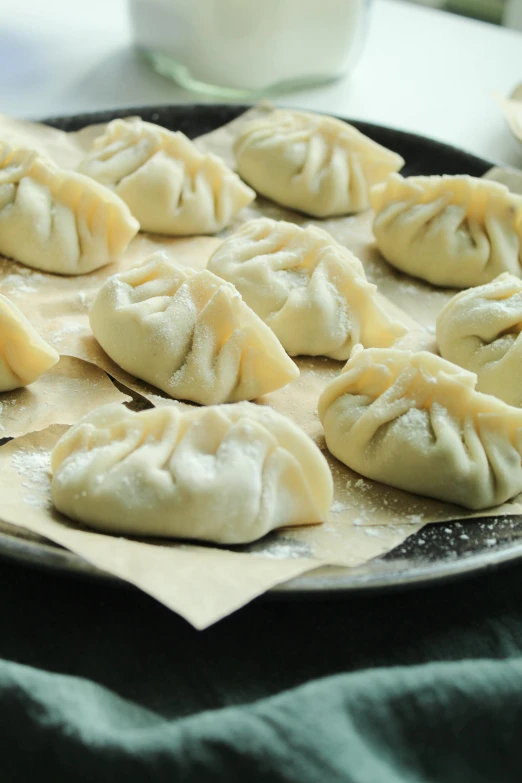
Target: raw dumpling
x=227 y=474
x=311 y=291
x=169 y=185
x=56 y=220
x=480 y=329
x=451 y=231
x=24 y=356
x=415 y=421
x=312 y=163
x=189 y=333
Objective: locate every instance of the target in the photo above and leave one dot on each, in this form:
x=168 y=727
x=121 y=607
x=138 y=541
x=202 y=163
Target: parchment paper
x=66 y=149
x=204 y=583
x=201 y=583
x=62 y=395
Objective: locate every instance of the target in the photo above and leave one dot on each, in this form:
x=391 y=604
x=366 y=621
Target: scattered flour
x=17 y=285
x=5 y=405
x=337 y=507
x=34 y=465
x=279 y=552
x=83 y=299
x=280 y=548
x=372 y=531
x=61 y=334
x=414 y=427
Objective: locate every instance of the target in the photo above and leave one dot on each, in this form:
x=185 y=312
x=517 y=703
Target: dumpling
x=24 y=355
x=315 y=164
x=451 y=231
x=311 y=291
x=227 y=474
x=415 y=421
x=188 y=333
x=480 y=329
x=56 y=220
x=169 y=185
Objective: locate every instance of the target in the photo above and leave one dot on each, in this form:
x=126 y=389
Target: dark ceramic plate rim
x=395 y=570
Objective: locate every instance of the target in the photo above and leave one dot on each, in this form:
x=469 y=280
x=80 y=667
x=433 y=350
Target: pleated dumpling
x=56 y=220
x=169 y=185
x=188 y=333
x=311 y=291
x=315 y=164
x=415 y=421
x=24 y=355
x=481 y=329
x=454 y=231
x=227 y=474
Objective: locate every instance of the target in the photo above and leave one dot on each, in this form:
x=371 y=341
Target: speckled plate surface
x=439 y=552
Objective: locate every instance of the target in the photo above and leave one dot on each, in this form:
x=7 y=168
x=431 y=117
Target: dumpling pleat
x=188 y=333
x=415 y=421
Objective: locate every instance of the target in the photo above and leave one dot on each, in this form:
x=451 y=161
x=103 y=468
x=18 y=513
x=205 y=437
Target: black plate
x=438 y=552
x=422 y=155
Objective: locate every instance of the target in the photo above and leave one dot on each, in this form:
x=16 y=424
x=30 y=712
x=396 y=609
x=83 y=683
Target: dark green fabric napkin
x=102 y=684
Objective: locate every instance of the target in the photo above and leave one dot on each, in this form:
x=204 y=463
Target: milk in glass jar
x=245 y=47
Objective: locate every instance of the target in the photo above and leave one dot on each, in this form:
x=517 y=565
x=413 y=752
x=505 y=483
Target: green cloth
x=99 y=684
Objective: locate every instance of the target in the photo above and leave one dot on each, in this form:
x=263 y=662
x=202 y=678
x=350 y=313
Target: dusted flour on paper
x=81 y=384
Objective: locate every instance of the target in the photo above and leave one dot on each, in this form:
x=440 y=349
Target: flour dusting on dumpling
x=311 y=291
x=454 y=231
x=415 y=421
x=57 y=220
x=227 y=474
x=481 y=329
x=310 y=162
x=169 y=185
x=188 y=333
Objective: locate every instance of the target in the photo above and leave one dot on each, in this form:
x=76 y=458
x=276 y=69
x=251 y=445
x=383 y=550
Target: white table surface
x=422 y=70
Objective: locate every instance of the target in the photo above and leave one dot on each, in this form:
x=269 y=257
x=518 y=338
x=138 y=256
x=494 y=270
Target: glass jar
x=249 y=48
